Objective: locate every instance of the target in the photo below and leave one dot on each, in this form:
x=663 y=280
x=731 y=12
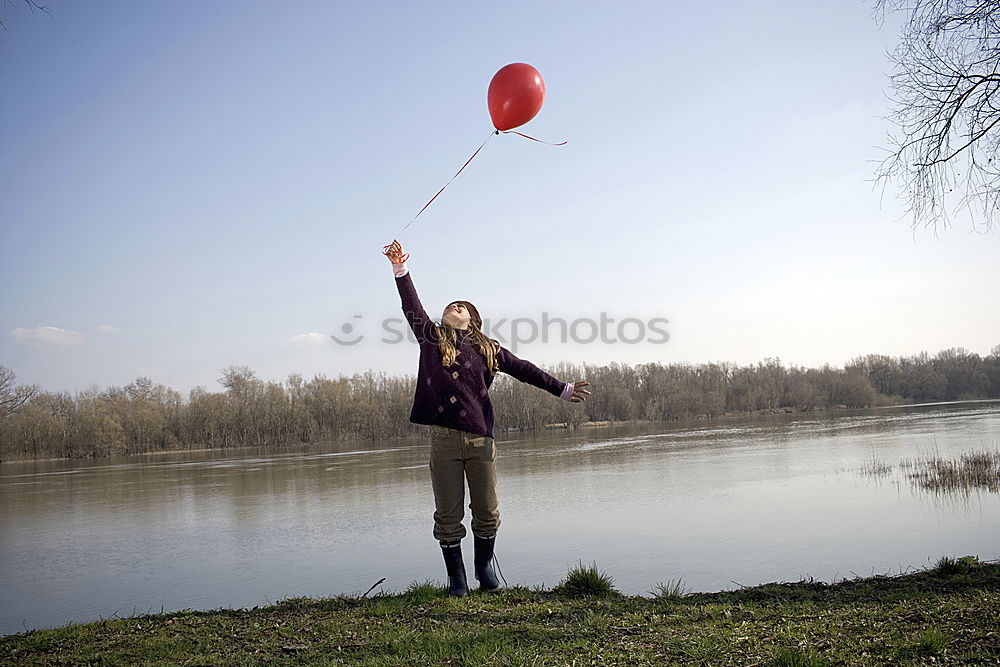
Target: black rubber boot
x=484 y=568
x=457 y=584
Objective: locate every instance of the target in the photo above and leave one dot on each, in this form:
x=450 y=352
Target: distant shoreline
x=775 y=411
x=569 y=426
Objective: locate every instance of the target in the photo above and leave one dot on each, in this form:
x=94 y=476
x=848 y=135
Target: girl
x=457 y=365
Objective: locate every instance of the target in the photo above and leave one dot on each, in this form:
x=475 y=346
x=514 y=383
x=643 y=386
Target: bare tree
x=12 y=397
x=30 y=4
x=144 y=417
x=246 y=390
x=946 y=108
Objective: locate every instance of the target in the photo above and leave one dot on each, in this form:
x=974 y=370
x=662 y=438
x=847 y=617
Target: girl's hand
x=579 y=391
x=395 y=253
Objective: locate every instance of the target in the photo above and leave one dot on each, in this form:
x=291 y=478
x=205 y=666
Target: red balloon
x=515 y=96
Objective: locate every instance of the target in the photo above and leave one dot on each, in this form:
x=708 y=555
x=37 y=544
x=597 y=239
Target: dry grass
x=875 y=467
x=975 y=470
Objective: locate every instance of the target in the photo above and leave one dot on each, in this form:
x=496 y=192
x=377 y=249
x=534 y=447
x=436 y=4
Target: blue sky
x=191 y=186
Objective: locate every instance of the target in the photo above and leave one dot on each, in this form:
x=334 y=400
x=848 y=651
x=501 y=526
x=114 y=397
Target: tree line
x=146 y=417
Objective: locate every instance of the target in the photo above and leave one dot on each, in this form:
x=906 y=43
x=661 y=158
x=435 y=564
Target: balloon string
x=449 y=182
x=561 y=143
x=492 y=134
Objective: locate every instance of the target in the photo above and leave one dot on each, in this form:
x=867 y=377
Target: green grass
x=944 y=615
x=947 y=566
x=796 y=657
x=669 y=591
x=586 y=582
x=422 y=593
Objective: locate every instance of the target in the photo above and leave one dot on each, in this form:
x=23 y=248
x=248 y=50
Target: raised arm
x=418 y=319
x=525 y=371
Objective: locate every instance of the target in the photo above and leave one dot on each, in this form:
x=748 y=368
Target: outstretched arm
x=418 y=319
x=525 y=371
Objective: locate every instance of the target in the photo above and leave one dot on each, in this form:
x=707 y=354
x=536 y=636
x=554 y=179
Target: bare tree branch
x=945 y=92
x=12 y=397
x=30 y=4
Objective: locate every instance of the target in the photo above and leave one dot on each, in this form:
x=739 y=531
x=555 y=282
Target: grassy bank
x=947 y=615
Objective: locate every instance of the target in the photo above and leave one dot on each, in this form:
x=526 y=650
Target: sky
x=186 y=187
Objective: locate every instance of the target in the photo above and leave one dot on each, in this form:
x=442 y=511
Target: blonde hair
x=488 y=347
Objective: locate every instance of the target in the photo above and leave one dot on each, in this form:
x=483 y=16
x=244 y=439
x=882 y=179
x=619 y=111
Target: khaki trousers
x=455 y=456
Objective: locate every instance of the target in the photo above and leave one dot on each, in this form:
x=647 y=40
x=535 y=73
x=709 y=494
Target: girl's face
x=456 y=315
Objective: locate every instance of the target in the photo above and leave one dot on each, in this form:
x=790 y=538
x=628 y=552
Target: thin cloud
x=47 y=336
x=311 y=338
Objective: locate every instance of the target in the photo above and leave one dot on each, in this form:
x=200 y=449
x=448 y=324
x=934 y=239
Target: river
x=715 y=503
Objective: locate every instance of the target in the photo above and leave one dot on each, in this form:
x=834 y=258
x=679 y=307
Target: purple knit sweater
x=458 y=396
